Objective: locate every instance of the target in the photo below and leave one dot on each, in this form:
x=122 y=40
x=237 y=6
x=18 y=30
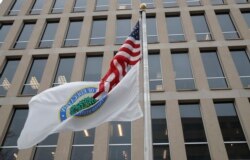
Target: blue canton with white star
x=135 y=33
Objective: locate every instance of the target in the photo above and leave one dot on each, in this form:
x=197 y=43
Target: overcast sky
x=0 y=1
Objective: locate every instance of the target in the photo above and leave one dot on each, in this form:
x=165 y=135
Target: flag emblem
x=82 y=104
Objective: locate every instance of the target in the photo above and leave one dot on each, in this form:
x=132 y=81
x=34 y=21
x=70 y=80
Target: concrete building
x=199 y=66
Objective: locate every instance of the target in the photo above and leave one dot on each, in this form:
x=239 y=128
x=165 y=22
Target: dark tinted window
x=155 y=76
x=16 y=7
x=37 y=7
x=4 y=30
x=64 y=70
x=246 y=16
x=238 y=151
x=227 y=26
x=123 y=29
x=197 y=152
x=93 y=68
x=152 y=36
x=170 y=3
x=7 y=75
x=242 y=63
x=120 y=140
x=58 y=6
x=80 y=6
x=101 y=5
x=183 y=73
x=215 y=75
x=48 y=35
x=217 y=2
x=175 y=30
x=73 y=35
x=83 y=143
x=201 y=28
x=24 y=36
x=98 y=32
x=34 y=77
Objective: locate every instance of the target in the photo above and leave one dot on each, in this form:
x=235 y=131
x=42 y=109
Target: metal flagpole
x=147 y=117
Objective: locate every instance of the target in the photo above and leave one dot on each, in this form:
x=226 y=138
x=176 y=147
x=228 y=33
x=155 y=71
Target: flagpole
x=147 y=117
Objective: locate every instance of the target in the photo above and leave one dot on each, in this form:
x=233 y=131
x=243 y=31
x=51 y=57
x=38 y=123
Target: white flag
x=50 y=111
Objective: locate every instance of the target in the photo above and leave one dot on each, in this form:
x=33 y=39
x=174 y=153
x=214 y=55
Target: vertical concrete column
x=175 y=133
x=90 y=6
x=161 y=29
x=137 y=139
x=78 y=68
x=47 y=6
x=36 y=34
x=168 y=73
x=68 y=6
x=206 y=2
x=86 y=31
x=26 y=154
x=182 y=4
x=214 y=25
x=13 y=33
x=198 y=72
x=187 y=26
x=63 y=148
x=229 y=68
x=112 y=5
x=5 y=7
x=26 y=7
x=158 y=4
x=211 y=125
x=19 y=77
x=2 y=63
x=240 y=23
x=49 y=71
x=101 y=142
x=110 y=30
x=243 y=110
x=61 y=32
x=107 y=57
x=5 y=118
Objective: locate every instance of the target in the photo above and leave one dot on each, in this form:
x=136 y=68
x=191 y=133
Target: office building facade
x=199 y=70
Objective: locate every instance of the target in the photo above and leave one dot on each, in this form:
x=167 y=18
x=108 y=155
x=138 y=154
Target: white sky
x=0 y=1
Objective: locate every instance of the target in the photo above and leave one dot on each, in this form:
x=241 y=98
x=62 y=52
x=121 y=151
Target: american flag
x=129 y=54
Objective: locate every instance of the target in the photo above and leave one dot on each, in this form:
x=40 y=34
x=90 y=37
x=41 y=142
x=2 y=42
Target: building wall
x=169 y=96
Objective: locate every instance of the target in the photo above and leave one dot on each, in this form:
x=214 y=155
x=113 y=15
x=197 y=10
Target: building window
x=227 y=26
x=8 y=149
x=93 y=68
x=120 y=140
x=214 y=72
x=149 y=3
x=73 y=35
x=170 y=3
x=7 y=74
x=16 y=7
x=64 y=70
x=194 y=133
x=160 y=133
x=124 y=4
x=101 y=5
x=191 y=3
x=152 y=35
x=48 y=35
x=242 y=62
x=83 y=145
x=80 y=6
x=217 y=2
x=46 y=149
x=155 y=76
x=123 y=29
x=201 y=28
x=4 y=30
x=241 y=1
x=231 y=130
x=37 y=7
x=183 y=73
x=58 y=6
x=24 y=36
x=246 y=16
x=34 y=77
x=175 y=30
x=98 y=32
